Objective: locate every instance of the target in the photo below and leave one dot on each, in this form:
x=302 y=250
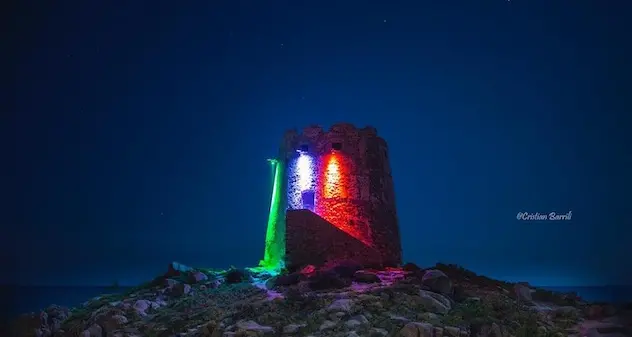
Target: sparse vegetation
x=230 y=301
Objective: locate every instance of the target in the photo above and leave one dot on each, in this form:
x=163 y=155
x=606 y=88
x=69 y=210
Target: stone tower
x=338 y=198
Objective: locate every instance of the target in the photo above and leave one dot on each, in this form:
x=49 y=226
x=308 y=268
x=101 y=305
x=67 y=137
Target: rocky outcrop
x=335 y=300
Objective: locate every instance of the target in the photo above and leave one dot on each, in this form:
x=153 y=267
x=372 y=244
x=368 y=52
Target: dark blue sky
x=139 y=132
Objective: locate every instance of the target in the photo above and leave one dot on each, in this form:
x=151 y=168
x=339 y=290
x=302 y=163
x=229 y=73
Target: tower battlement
x=343 y=176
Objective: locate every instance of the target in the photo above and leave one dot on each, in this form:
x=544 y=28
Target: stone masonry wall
x=382 y=195
x=312 y=240
x=366 y=211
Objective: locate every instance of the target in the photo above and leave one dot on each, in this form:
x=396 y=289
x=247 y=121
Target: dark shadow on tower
x=311 y=239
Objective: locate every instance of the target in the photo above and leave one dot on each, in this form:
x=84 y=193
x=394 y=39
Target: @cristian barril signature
x=553 y=216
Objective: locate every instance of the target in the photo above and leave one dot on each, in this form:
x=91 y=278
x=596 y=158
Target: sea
x=17 y=300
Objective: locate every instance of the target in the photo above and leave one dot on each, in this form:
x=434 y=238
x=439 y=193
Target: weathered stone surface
x=523 y=292
x=310 y=239
x=416 y=329
x=365 y=277
x=433 y=302
x=366 y=209
x=437 y=281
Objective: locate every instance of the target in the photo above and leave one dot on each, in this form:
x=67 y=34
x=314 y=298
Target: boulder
x=433 y=302
x=341 y=305
x=411 y=267
x=437 y=281
x=363 y=276
x=286 y=280
x=179 y=289
x=235 y=276
x=417 y=329
x=255 y=328
x=523 y=292
x=177 y=269
x=346 y=268
x=327 y=280
x=197 y=277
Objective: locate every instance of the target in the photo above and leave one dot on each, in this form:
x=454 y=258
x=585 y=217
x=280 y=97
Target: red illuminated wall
x=337 y=190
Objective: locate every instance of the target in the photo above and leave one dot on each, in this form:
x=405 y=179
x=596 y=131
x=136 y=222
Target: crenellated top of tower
x=338 y=128
x=319 y=139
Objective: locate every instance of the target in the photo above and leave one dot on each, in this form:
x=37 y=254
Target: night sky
x=138 y=131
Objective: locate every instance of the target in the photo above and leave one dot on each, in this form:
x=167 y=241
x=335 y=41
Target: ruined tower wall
x=313 y=240
x=349 y=184
x=382 y=195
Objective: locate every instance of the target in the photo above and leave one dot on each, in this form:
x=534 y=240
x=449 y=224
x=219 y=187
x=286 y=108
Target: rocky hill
x=342 y=299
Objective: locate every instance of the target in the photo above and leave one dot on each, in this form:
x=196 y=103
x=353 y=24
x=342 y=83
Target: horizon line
x=136 y=285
